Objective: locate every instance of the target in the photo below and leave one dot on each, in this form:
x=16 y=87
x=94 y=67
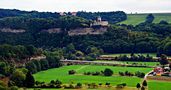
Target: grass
x=135 y=19
x=84 y=88
x=128 y=54
x=159 y=85
x=145 y=63
x=132 y=62
x=62 y=74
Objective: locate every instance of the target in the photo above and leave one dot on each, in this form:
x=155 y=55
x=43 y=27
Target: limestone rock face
x=85 y=31
x=9 y=30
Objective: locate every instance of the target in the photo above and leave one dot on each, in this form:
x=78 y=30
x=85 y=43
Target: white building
x=99 y=22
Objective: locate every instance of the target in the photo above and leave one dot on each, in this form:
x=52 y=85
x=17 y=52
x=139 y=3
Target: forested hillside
x=143 y=38
x=24 y=37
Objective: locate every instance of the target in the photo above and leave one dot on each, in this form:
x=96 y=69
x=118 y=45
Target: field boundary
x=159 y=78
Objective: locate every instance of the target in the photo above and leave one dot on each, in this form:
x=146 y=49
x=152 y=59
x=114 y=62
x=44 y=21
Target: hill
x=135 y=19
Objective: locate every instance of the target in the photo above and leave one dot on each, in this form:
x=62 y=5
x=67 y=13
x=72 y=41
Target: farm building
x=158 y=71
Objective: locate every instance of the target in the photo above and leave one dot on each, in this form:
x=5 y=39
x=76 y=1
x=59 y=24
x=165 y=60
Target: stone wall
x=52 y=30
x=85 y=31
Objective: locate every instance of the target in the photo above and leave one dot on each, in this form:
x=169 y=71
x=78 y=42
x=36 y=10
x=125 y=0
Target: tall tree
x=29 y=81
x=144 y=83
x=138 y=86
x=163 y=59
x=150 y=18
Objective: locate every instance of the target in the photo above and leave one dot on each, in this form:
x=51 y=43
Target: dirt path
x=81 y=68
x=145 y=77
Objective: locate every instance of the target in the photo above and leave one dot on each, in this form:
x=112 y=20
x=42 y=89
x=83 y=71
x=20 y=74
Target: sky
x=128 y=6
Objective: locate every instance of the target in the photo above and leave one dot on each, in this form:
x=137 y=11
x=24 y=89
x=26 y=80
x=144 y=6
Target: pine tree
x=138 y=85
x=144 y=83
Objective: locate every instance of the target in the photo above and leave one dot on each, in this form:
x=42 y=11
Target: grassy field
x=135 y=19
x=144 y=63
x=131 y=62
x=159 y=85
x=62 y=74
x=128 y=54
x=84 y=88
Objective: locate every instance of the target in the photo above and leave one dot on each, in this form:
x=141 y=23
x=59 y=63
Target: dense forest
x=143 y=38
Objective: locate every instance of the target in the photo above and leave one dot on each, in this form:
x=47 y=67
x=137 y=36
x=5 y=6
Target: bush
x=124 y=84
x=121 y=85
x=142 y=88
x=87 y=73
x=108 y=72
x=100 y=84
x=13 y=88
x=71 y=72
x=107 y=84
x=144 y=83
x=2 y=88
x=96 y=73
x=79 y=85
x=140 y=74
x=68 y=87
x=58 y=82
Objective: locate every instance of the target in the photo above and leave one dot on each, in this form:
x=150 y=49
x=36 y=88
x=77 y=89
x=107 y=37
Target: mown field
x=128 y=54
x=159 y=85
x=132 y=62
x=135 y=19
x=62 y=74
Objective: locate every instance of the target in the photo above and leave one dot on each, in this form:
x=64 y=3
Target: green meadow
x=135 y=19
x=159 y=85
x=128 y=54
x=62 y=75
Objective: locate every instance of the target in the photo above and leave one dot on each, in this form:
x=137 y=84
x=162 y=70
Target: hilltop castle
x=99 y=22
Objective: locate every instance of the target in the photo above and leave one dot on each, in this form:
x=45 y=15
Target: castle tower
x=99 y=19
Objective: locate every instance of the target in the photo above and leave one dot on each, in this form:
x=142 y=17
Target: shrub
x=87 y=73
x=79 y=85
x=13 y=88
x=52 y=82
x=70 y=72
x=92 y=85
x=2 y=88
x=121 y=85
x=144 y=83
x=140 y=74
x=96 y=73
x=51 y=86
x=124 y=84
x=107 y=84
x=108 y=72
x=100 y=84
x=68 y=87
x=58 y=82
x=138 y=85
x=121 y=74
x=142 y=88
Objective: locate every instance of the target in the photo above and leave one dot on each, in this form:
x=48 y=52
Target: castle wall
x=85 y=31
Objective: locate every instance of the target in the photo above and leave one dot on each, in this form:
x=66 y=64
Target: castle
x=99 y=22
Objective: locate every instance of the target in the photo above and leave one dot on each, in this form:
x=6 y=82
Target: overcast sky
x=140 y=6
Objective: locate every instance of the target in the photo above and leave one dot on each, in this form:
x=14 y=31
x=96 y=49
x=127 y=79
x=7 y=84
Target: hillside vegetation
x=136 y=19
